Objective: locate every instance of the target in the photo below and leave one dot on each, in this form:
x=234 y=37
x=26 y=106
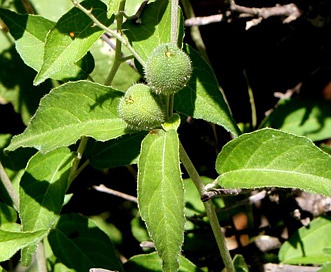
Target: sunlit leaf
x=151 y=262
x=325 y=268
x=310 y=118
x=153 y=29
x=113 y=7
x=202 y=98
x=68 y=42
x=29 y=32
x=52 y=10
x=161 y=194
x=307 y=244
x=42 y=190
x=11 y=242
x=43 y=187
x=269 y=157
x=70 y=111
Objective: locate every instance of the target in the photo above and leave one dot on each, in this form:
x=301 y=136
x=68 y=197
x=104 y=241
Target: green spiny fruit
x=168 y=69
x=142 y=109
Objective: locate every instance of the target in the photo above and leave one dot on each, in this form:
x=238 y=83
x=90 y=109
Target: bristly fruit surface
x=142 y=109
x=168 y=69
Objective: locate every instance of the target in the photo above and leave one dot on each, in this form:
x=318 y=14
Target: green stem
x=174 y=40
x=210 y=210
x=9 y=187
x=80 y=150
x=171 y=104
x=118 y=48
x=113 y=70
x=109 y=31
x=251 y=101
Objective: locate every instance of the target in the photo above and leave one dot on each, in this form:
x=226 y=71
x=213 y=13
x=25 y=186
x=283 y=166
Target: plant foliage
x=80 y=60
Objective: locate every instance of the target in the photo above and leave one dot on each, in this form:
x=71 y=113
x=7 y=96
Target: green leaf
x=113 y=7
x=114 y=234
x=172 y=123
x=151 y=263
x=8 y=218
x=2 y=270
x=306 y=245
x=139 y=231
x=42 y=190
x=71 y=38
x=43 y=187
x=11 y=242
x=81 y=245
x=240 y=263
x=154 y=28
x=161 y=194
x=72 y=110
x=13 y=164
x=327 y=251
x=7 y=214
x=310 y=118
x=118 y=152
x=29 y=32
x=270 y=157
x=202 y=98
x=194 y=205
x=52 y=10
x=325 y=268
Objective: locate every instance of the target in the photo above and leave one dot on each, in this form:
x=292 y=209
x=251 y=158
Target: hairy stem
x=210 y=210
x=118 y=47
x=109 y=31
x=80 y=150
x=251 y=101
x=9 y=186
x=174 y=40
x=174 y=21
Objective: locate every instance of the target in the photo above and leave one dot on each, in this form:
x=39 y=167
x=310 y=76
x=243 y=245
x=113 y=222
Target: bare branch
x=198 y=21
x=290 y=11
x=104 y=189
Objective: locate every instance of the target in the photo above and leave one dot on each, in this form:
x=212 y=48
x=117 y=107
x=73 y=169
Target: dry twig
x=290 y=11
x=104 y=189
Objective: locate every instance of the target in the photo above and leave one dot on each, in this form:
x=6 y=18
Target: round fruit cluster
x=167 y=71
